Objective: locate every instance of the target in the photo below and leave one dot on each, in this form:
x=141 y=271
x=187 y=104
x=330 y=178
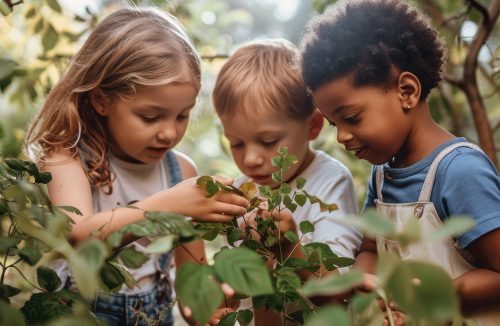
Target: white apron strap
x=425 y=193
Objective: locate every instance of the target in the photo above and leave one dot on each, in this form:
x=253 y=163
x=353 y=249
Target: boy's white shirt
x=330 y=181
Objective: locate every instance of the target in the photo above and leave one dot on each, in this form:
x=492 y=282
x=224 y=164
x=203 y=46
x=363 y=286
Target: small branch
x=26 y=279
x=479 y=7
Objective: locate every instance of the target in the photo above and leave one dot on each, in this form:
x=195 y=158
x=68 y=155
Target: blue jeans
x=118 y=309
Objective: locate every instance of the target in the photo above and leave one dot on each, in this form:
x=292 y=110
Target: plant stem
x=26 y=279
x=3 y=266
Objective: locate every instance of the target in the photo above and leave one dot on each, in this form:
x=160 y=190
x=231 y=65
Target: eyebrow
x=158 y=108
x=341 y=108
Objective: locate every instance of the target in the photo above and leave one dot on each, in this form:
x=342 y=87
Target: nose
x=168 y=132
x=343 y=135
x=253 y=157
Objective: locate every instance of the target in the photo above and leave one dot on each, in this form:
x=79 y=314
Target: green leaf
x=197 y=288
x=245 y=317
x=276 y=176
x=39 y=25
x=300 y=199
x=229 y=319
x=287 y=281
x=111 y=276
x=325 y=316
x=234 y=235
x=7 y=67
x=54 y=5
x=286 y=189
x=43 y=177
x=30 y=13
x=244 y=270
x=10 y=242
x=132 y=258
x=49 y=38
x=277 y=161
x=335 y=262
x=70 y=209
x=452 y=227
x=8 y=314
x=44 y=307
x=300 y=183
x=15 y=164
x=208 y=183
x=287 y=201
x=47 y=278
x=301 y=264
x=30 y=254
x=8 y=290
x=306 y=227
x=265 y=191
x=4 y=8
x=161 y=245
x=332 y=284
x=291 y=236
x=423 y=291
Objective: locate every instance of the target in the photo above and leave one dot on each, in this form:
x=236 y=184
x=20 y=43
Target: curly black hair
x=369 y=38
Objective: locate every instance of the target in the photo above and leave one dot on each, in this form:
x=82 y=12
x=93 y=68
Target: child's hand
x=187 y=198
x=283 y=220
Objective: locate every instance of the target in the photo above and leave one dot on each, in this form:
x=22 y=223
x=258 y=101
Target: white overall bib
x=446 y=253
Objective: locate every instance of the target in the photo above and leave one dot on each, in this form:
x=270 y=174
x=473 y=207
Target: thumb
x=225 y=181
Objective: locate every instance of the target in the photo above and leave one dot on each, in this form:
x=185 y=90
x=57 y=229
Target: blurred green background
x=38 y=38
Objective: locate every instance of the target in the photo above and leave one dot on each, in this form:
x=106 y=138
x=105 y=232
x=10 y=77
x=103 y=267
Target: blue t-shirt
x=466 y=183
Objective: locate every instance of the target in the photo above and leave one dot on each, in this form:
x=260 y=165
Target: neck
x=424 y=137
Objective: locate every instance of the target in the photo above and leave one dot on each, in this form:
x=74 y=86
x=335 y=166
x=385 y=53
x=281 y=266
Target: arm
x=70 y=186
x=479 y=288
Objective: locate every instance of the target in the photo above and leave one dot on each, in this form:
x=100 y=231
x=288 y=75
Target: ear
x=409 y=90
x=315 y=124
x=99 y=102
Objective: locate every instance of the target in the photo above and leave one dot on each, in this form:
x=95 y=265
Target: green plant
x=33 y=233
x=245 y=270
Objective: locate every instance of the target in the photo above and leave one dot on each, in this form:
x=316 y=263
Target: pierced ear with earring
x=408 y=107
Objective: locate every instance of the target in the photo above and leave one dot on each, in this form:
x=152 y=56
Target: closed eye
x=269 y=143
x=352 y=118
x=149 y=119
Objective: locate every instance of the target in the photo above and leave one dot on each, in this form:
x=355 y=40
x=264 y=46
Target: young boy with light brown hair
x=263 y=104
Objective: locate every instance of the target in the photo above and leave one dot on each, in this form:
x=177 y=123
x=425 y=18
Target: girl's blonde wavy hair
x=130 y=49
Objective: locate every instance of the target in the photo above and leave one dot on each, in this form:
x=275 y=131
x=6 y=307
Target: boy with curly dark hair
x=370 y=65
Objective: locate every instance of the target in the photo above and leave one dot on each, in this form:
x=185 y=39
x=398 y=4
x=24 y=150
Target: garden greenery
x=33 y=233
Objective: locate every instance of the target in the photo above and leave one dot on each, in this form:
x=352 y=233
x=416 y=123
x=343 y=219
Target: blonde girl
x=106 y=134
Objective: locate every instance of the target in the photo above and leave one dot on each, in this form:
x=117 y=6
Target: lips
x=157 y=150
x=360 y=152
x=261 y=179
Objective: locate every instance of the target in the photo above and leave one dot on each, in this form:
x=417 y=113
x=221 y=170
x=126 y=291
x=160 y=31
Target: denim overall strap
x=379 y=179
x=425 y=193
x=173 y=169
x=174 y=176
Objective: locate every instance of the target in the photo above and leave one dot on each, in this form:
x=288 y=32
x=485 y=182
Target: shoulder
x=464 y=163
x=326 y=168
x=60 y=158
x=187 y=165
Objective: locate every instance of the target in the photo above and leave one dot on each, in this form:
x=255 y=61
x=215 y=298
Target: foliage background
x=39 y=36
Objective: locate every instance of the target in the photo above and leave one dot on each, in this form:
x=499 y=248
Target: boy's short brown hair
x=263 y=75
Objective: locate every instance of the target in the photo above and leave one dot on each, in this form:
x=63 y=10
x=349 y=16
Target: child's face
x=370 y=120
x=144 y=127
x=255 y=140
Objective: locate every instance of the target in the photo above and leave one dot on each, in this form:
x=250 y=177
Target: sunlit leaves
x=452 y=226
